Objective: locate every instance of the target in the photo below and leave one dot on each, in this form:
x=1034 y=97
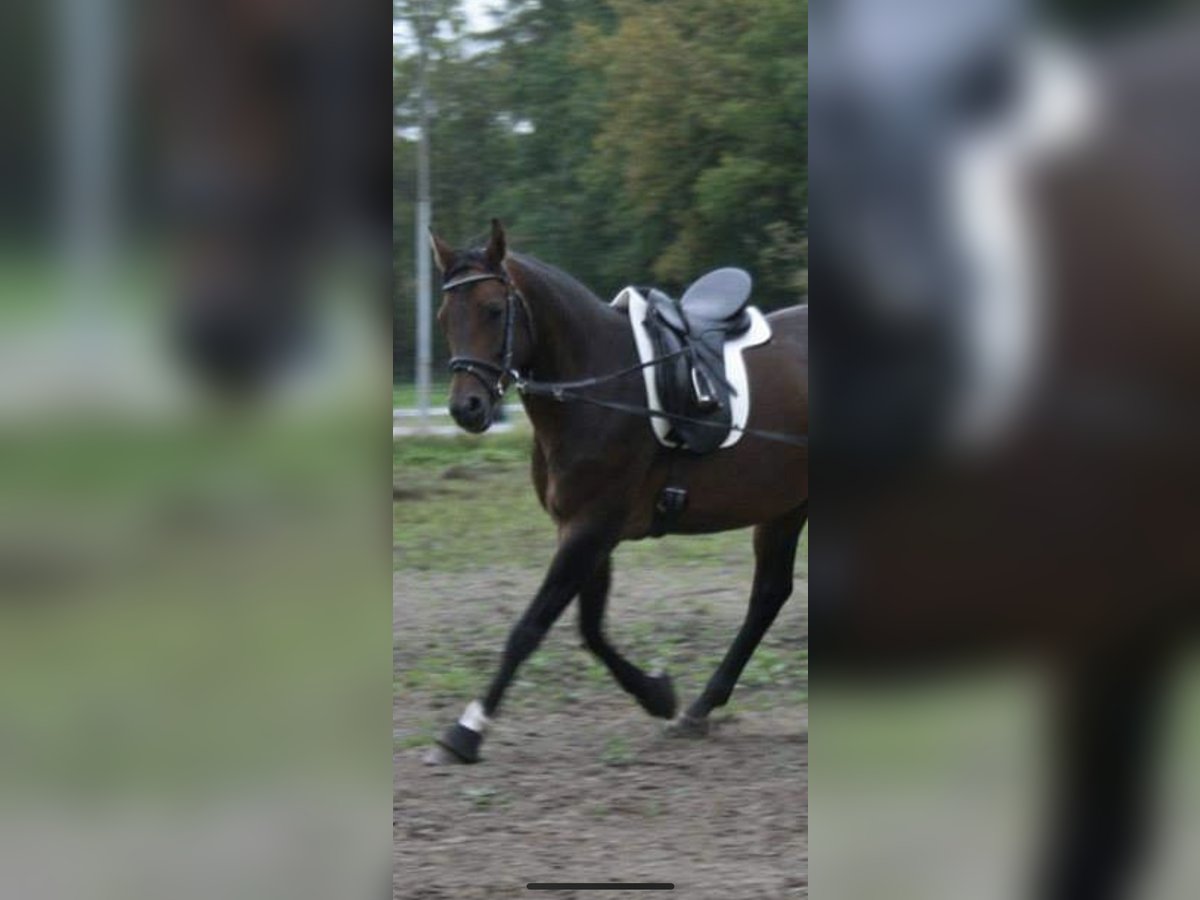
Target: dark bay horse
x=598 y=472
x=1068 y=536
x=265 y=164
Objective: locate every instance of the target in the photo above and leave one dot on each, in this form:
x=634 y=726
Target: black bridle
x=492 y=375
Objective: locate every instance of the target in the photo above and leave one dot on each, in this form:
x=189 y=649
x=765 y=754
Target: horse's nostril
x=474 y=404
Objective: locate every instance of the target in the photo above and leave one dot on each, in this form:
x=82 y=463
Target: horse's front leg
x=581 y=549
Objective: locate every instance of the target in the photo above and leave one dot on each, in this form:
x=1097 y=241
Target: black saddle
x=693 y=331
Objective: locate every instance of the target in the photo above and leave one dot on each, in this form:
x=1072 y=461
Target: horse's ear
x=443 y=253
x=496 y=248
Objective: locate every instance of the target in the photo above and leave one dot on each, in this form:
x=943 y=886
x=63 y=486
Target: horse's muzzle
x=472 y=413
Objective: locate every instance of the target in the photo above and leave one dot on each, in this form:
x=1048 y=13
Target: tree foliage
x=627 y=141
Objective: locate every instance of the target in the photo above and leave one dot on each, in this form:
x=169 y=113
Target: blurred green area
x=194 y=590
x=194 y=595
x=36 y=283
x=943 y=784
x=191 y=607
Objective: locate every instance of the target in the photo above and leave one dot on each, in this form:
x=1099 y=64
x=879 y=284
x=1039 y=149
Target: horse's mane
x=559 y=283
x=542 y=277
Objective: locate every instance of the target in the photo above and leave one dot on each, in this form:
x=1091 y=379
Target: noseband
x=482 y=368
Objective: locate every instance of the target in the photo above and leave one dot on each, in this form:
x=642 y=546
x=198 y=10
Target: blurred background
x=1003 y=589
x=195 y=279
x=194 y=572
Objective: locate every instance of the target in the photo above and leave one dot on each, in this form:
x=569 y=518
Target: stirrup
x=704 y=396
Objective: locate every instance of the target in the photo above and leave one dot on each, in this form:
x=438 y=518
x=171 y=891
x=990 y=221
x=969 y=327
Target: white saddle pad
x=758 y=333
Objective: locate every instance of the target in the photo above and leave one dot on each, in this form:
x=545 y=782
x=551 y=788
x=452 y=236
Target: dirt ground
x=577 y=783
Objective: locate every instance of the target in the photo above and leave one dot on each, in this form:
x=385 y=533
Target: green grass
x=199 y=597
x=466 y=503
x=485 y=797
x=617 y=752
x=405 y=395
x=413 y=741
x=420 y=457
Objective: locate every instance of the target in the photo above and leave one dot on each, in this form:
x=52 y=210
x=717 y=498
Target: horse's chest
x=566 y=488
x=553 y=485
x=561 y=497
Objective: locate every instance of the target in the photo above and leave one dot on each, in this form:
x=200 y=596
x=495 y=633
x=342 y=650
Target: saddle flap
x=666 y=310
x=710 y=381
x=721 y=294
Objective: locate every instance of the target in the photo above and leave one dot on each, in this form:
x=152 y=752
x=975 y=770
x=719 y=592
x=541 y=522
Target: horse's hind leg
x=653 y=692
x=775 y=563
x=1109 y=729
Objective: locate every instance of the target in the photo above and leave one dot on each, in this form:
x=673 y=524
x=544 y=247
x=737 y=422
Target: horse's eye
x=494 y=313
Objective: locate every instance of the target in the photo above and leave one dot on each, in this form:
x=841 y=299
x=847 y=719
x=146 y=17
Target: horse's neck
x=575 y=337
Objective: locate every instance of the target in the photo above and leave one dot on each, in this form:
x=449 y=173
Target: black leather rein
x=562 y=391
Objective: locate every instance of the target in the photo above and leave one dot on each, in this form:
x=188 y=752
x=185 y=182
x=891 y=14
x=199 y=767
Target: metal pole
x=88 y=141
x=424 y=291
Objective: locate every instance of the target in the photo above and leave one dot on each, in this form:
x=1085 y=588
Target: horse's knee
x=773 y=593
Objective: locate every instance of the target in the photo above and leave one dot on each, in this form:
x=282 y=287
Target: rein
x=563 y=391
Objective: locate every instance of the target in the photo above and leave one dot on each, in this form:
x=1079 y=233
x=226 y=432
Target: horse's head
x=929 y=119
x=895 y=88
x=479 y=316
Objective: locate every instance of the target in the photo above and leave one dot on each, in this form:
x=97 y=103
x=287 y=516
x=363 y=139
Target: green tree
x=627 y=141
x=705 y=126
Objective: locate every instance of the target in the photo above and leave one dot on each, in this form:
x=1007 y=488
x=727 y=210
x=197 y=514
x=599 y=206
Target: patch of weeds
x=617 y=752
x=439 y=452
x=771 y=668
x=484 y=797
x=643 y=634
x=411 y=741
x=599 y=810
x=595 y=673
x=454 y=681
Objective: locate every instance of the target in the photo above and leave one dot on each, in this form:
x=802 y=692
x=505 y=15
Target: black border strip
x=600 y=886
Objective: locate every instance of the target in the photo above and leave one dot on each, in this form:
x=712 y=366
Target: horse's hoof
x=458 y=744
x=437 y=755
x=659 y=698
x=688 y=727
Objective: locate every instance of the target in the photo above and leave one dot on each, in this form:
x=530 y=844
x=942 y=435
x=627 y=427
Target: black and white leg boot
x=462 y=740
